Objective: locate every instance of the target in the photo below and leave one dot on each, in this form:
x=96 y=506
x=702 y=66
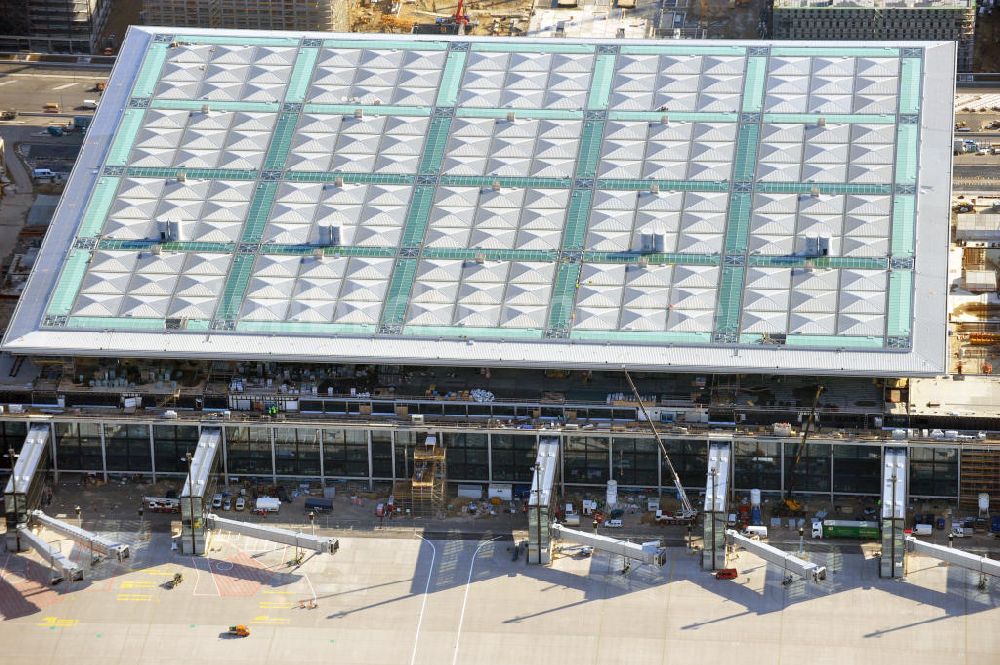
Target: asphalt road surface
x=28 y=88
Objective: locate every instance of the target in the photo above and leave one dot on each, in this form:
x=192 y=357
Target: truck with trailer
x=858 y=530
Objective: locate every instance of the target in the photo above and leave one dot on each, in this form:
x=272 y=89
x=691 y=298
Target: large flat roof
x=739 y=206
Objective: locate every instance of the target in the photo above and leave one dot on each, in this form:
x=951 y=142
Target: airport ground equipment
x=540 y=501
x=23 y=492
x=687 y=510
x=788 y=562
x=320 y=544
x=60 y=564
x=196 y=488
x=713 y=554
x=98 y=545
x=893 y=508
x=650 y=552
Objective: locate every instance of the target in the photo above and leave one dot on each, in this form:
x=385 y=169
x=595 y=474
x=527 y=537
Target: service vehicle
x=846 y=529
x=50 y=107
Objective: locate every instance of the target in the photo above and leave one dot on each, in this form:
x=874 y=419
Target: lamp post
x=713 y=472
x=188 y=458
x=312 y=522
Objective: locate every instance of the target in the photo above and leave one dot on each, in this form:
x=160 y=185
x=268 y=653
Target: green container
x=851 y=529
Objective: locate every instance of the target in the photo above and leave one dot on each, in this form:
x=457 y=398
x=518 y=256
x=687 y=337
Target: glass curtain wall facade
x=309 y=453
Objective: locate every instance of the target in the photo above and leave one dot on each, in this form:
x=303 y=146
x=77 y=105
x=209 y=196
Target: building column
x=781 y=451
x=489 y=457
x=152 y=453
x=55 y=458
x=659 y=472
x=274 y=473
x=104 y=454
x=368 y=435
x=611 y=457
x=392 y=442
x=322 y=466
x=225 y=458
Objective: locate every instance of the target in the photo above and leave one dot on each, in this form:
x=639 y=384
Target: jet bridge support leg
x=713 y=555
x=894 y=493
x=200 y=468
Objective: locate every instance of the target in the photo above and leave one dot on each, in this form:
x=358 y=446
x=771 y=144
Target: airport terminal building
x=334 y=246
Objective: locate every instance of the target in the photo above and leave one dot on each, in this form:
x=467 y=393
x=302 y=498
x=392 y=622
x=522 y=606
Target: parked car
x=241 y=503
x=217 y=501
x=614 y=524
x=227 y=504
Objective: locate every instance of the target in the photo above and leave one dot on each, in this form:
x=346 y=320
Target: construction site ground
x=410 y=596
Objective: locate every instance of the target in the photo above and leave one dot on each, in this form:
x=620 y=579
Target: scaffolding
x=980 y=474
x=430 y=478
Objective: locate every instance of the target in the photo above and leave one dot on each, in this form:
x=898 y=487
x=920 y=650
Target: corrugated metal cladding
x=427 y=199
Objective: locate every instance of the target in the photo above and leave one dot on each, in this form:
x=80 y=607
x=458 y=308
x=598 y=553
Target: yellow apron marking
x=56 y=622
x=264 y=619
x=136 y=597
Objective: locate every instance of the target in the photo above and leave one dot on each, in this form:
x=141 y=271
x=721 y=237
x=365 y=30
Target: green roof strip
x=128 y=128
x=904 y=224
x=899 y=313
x=473 y=332
x=829 y=118
x=642 y=336
x=115 y=323
x=96 y=213
x=146 y=79
x=451 y=78
x=909 y=85
x=298 y=83
x=564 y=295
x=834 y=341
x=754 y=84
x=70 y=280
x=375 y=110
x=197 y=105
x=669 y=49
x=557 y=46
x=600 y=83
x=305 y=327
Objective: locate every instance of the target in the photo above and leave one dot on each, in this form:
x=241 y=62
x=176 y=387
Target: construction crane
x=790 y=503
x=687 y=510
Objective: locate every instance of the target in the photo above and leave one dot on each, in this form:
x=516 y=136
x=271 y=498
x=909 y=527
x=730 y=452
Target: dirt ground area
x=987 y=54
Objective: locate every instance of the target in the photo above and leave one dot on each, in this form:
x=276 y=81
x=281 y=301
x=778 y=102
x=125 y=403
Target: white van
x=758 y=532
x=42 y=173
x=614 y=524
x=89 y=104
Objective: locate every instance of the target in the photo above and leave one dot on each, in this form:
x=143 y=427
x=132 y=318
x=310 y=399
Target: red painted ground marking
x=24 y=588
x=245 y=577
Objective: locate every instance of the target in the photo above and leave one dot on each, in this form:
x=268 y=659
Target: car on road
x=50 y=107
x=217 y=501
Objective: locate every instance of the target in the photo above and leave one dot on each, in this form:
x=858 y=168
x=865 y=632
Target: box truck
x=846 y=529
x=268 y=504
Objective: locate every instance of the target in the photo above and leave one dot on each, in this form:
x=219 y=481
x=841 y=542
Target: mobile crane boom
x=687 y=510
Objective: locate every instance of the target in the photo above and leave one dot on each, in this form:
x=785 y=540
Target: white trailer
x=268 y=504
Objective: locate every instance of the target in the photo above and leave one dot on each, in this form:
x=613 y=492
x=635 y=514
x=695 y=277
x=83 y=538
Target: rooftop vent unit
x=205 y=109
x=182 y=175
x=821 y=122
x=359 y=114
x=329 y=235
x=480 y=258
x=654 y=188
x=511 y=116
x=318 y=255
x=156 y=250
x=664 y=119
x=171 y=230
x=339 y=181
x=817 y=245
x=814 y=191
x=652 y=243
x=496 y=185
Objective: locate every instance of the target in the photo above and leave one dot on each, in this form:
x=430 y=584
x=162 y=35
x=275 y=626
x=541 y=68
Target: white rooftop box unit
x=816 y=245
x=470 y=491
x=502 y=491
x=652 y=243
x=980 y=280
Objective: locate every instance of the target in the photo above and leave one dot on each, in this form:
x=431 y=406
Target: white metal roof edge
x=933 y=233
x=566 y=354
x=61 y=233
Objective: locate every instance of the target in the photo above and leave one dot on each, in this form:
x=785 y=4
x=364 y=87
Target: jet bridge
x=967 y=560
x=24 y=488
x=98 y=545
x=320 y=544
x=196 y=488
x=713 y=555
x=62 y=567
x=650 y=552
x=788 y=562
x=540 y=501
x=894 y=490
